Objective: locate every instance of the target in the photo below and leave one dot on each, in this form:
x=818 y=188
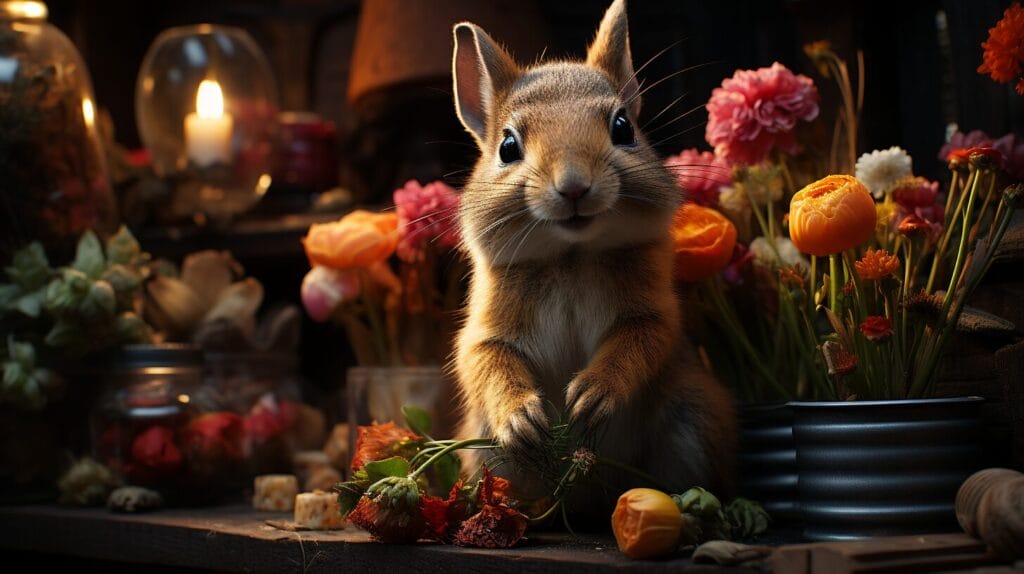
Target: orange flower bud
x=647 y=523
x=359 y=239
x=831 y=215
x=704 y=241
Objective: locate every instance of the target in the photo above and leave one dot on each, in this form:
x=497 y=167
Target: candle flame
x=209 y=100
x=88 y=111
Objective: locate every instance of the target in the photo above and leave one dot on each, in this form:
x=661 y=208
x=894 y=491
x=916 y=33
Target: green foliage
x=417 y=419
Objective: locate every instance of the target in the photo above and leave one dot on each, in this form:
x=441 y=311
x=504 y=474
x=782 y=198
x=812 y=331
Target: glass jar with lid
x=158 y=425
x=52 y=162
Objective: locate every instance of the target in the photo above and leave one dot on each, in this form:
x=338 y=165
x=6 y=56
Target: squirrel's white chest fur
x=572 y=312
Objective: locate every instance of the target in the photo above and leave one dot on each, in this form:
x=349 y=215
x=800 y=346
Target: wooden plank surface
x=931 y=553
x=238 y=539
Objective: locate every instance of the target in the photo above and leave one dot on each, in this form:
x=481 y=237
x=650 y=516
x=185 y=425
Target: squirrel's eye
x=622 y=130
x=509 y=150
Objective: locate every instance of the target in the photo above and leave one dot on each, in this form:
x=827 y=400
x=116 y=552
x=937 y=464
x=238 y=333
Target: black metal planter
x=884 y=468
x=767 y=460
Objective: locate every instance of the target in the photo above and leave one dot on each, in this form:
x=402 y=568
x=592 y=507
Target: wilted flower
x=755 y=111
x=819 y=52
x=876 y=327
x=426 y=214
x=704 y=240
x=761 y=183
x=1004 y=49
x=831 y=215
x=838 y=360
x=380 y=441
x=390 y=518
x=495 y=526
x=876 y=264
x=324 y=289
x=984 y=157
x=647 y=523
x=358 y=239
x=881 y=169
x=700 y=175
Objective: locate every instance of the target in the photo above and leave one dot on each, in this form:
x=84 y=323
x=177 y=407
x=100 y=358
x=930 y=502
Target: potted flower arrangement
x=856 y=294
x=392 y=280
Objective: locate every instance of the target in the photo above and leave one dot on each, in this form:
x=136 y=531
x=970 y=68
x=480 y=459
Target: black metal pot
x=766 y=463
x=884 y=468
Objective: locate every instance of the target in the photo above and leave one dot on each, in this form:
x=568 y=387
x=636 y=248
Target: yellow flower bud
x=647 y=523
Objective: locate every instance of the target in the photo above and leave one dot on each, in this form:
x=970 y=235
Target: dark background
x=921 y=59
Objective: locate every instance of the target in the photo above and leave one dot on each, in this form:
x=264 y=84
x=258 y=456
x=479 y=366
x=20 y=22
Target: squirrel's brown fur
x=578 y=314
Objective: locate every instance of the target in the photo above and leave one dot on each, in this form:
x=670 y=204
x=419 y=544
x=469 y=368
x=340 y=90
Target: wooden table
x=239 y=539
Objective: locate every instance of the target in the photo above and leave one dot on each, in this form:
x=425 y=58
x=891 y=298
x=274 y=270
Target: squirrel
x=571 y=303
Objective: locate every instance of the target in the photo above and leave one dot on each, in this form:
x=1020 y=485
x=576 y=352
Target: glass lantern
x=206 y=105
x=53 y=172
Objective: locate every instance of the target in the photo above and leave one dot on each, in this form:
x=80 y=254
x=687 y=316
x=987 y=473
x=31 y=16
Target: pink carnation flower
x=755 y=112
x=324 y=289
x=700 y=175
x=426 y=214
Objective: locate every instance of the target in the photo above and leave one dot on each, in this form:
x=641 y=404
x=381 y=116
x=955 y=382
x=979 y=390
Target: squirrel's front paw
x=590 y=402
x=525 y=428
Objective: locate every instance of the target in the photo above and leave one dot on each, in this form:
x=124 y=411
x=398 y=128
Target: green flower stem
x=376 y=324
x=731 y=323
x=812 y=293
x=546 y=514
x=450 y=448
x=833 y=291
x=961 y=254
x=761 y=223
x=950 y=219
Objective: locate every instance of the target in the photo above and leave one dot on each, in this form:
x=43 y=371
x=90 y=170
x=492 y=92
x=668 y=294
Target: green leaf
x=89 y=256
x=746 y=518
x=417 y=419
x=9 y=294
x=447 y=471
x=99 y=302
x=29 y=267
x=122 y=248
x=65 y=333
x=349 y=494
x=130 y=328
x=31 y=304
x=394 y=466
x=64 y=295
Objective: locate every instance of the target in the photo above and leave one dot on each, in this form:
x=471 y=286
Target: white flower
x=764 y=256
x=882 y=168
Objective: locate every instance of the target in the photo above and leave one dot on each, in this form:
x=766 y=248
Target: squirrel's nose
x=573 y=191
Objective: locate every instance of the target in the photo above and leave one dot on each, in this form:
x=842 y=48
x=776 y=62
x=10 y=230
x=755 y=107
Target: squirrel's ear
x=481 y=70
x=610 y=52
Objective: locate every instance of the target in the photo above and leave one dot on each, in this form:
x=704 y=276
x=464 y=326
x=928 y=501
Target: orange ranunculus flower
x=831 y=215
x=359 y=239
x=704 y=241
x=647 y=523
x=876 y=264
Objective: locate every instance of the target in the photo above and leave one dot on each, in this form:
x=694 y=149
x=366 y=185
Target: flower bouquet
x=856 y=290
x=390 y=278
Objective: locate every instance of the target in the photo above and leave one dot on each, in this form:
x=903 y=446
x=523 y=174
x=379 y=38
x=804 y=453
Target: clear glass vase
x=53 y=172
x=206 y=106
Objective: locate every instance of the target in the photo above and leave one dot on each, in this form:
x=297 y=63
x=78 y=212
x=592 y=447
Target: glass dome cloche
x=206 y=105
x=54 y=182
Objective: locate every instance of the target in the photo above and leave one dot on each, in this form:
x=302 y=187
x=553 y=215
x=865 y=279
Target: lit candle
x=208 y=130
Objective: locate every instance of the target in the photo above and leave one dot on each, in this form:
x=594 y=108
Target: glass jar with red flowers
x=157 y=425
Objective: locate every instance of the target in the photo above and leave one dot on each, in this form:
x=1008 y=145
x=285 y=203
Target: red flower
x=213 y=436
x=876 y=327
x=1004 y=49
x=154 y=448
x=700 y=175
x=913 y=224
x=387 y=523
x=492 y=527
x=755 y=111
x=492 y=488
x=987 y=154
x=378 y=442
x=920 y=197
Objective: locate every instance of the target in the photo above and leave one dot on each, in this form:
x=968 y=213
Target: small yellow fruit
x=647 y=523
